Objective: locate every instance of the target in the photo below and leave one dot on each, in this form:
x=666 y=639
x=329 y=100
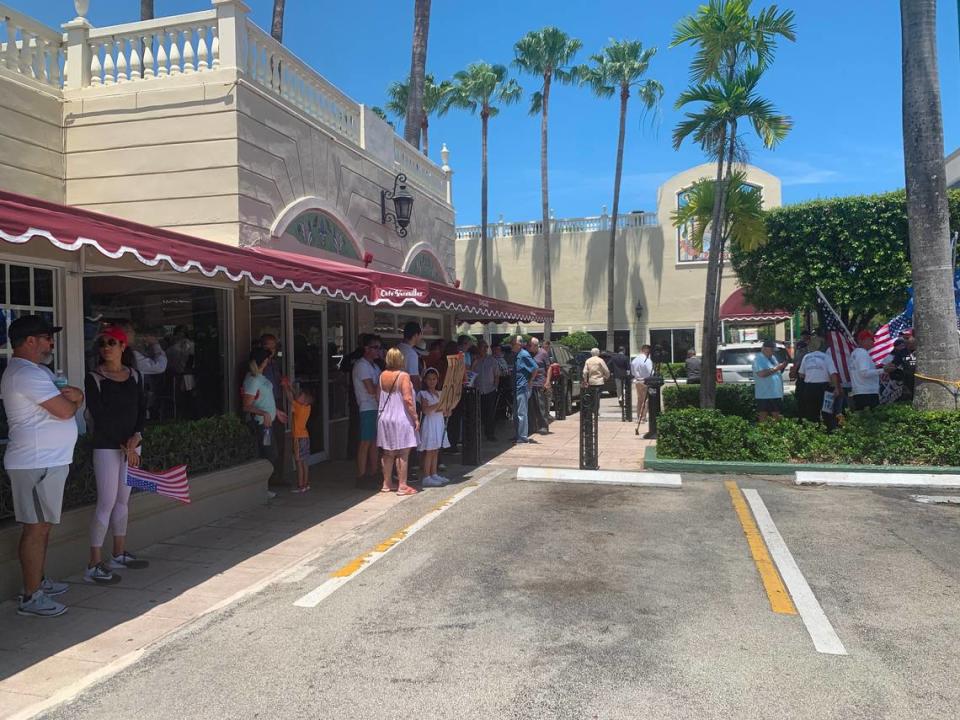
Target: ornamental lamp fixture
x=402 y=205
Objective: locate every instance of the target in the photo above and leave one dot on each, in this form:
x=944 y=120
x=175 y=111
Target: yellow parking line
x=780 y=601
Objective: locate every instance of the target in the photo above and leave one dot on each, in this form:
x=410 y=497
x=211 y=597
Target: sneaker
x=444 y=480
x=271 y=494
x=39 y=605
x=441 y=466
x=52 y=588
x=433 y=481
x=100 y=575
x=126 y=560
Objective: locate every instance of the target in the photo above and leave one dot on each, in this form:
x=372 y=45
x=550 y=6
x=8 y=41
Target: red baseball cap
x=114 y=332
x=864 y=334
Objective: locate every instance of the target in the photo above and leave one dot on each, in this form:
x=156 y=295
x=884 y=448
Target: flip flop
x=385 y=490
x=408 y=491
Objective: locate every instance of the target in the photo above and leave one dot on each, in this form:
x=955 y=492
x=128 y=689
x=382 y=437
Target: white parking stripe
x=345 y=574
x=824 y=638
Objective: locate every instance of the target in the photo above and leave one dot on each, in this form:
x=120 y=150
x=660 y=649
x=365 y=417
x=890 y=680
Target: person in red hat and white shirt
x=42 y=434
x=864 y=374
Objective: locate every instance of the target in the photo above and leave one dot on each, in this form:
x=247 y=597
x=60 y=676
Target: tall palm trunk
x=484 y=250
x=146 y=10
x=935 y=315
x=418 y=63
x=708 y=341
x=425 y=135
x=545 y=203
x=722 y=235
x=612 y=251
x=276 y=25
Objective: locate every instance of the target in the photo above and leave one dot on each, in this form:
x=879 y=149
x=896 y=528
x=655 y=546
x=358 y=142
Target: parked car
x=610 y=386
x=735 y=361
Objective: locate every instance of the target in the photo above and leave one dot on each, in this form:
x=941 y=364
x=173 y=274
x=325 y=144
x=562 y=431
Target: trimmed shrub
x=579 y=341
x=732 y=399
x=889 y=435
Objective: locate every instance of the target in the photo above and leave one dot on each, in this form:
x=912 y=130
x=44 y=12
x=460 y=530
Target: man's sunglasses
x=107 y=342
x=373 y=347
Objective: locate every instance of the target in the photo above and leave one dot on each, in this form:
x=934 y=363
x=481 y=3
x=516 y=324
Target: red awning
x=399 y=290
x=23 y=219
x=736 y=309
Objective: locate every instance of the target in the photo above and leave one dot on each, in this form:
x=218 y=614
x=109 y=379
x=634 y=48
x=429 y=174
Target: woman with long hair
x=397 y=423
x=117 y=408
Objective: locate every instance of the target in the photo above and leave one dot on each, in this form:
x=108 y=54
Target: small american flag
x=884 y=338
x=172 y=483
x=838 y=338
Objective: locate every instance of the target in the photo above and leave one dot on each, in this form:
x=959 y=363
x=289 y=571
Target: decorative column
x=447 y=173
x=77 y=66
x=231 y=32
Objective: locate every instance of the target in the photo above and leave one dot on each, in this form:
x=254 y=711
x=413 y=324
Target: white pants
x=113 y=495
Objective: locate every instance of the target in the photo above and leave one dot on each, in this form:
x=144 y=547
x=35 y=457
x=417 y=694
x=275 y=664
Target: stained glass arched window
x=425 y=264
x=318 y=230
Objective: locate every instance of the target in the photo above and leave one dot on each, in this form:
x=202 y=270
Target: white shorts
x=38 y=494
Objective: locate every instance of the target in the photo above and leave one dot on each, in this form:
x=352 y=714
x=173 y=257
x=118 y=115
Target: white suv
x=735 y=361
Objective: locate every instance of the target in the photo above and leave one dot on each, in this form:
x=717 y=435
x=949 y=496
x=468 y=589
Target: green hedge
x=579 y=341
x=679 y=370
x=889 y=435
x=732 y=399
x=202 y=445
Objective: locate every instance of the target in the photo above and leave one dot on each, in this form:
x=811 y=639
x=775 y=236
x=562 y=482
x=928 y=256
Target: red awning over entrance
x=23 y=219
x=399 y=290
x=736 y=309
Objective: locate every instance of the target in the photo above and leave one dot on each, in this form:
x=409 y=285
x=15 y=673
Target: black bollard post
x=589 y=416
x=470 y=451
x=653 y=383
x=560 y=398
x=627 y=410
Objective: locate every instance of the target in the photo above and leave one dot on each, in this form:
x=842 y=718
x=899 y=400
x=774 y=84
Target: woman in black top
x=116 y=403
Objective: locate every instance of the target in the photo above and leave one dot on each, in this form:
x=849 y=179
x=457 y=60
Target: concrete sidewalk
x=620 y=447
x=190 y=575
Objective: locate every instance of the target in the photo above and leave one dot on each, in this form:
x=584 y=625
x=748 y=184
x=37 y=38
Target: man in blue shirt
x=768 y=387
x=525 y=367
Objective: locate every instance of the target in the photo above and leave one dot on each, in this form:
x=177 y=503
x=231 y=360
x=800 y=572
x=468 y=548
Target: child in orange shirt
x=301 y=404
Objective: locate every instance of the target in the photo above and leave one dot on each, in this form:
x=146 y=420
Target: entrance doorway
x=308 y=370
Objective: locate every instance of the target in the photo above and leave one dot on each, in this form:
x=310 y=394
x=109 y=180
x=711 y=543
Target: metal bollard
x=653 y=383
x=560 y=399
x=589 y=421
x=626 y=411
x=470 y=451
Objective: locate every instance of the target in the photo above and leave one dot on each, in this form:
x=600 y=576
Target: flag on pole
x=172 y=483
x=888 y=333
x=839 y=339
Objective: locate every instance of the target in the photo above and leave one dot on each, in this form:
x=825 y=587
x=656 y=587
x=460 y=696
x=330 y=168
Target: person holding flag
x=864 y=374
x=117 y=408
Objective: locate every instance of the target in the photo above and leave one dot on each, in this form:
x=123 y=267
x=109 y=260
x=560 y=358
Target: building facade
x=660 y=278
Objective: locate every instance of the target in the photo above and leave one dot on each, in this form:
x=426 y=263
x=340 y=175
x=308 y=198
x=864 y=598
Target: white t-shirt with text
x=816 y=367
x=363 y=369
x=37 y=439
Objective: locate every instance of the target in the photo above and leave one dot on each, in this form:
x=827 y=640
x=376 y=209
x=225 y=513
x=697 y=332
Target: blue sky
x=840 y=82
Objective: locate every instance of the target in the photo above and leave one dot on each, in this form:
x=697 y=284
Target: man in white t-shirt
x=412 y=334
x=42 y=434
x=864 y=374
x=366 y=388
x=641 y=367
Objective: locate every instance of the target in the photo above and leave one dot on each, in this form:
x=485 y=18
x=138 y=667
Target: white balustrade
x=31 y=49
x=418 y=167
x=153 y=49
x=275 y=69
x=596 y=223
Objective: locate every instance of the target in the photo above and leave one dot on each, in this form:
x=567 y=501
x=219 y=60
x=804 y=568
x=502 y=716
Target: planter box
x=153 y=518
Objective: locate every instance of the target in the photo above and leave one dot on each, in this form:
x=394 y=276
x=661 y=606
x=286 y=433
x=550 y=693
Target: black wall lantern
x=402 y=205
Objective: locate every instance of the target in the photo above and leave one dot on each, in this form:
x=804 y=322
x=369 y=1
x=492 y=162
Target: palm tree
x=745 y=226
x=413 y=118
x=621 y=66
x=433 y=95
x=730 y=42
x=546 y=54
x=276 y=25
x=934 y=315
x=481 y=87
x=146 y=10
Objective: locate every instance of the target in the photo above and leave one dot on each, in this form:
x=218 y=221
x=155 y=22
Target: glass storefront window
x=674 y=343
x=179 y=331
x=339 y=343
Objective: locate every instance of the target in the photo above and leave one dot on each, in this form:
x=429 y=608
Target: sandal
x=408 y=491
x=386 y=490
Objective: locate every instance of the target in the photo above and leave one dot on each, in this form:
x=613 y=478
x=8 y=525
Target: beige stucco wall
x=648 y=270
x=31 y=139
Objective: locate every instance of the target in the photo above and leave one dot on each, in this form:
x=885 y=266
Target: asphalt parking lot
x=543 y=600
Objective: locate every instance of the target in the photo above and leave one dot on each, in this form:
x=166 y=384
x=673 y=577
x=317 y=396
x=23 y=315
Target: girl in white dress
x=433 y=429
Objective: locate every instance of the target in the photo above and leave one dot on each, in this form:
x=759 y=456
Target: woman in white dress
x=433 y=429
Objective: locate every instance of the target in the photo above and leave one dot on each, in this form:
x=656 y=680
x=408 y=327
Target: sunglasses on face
x=373 y=347
x=107 y=342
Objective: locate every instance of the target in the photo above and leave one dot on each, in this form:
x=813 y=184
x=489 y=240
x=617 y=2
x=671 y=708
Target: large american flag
x=840 y=342
x=884 y=338
x=172 y=483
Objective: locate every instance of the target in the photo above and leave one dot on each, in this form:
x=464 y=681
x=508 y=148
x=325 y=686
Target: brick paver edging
x=652 y=462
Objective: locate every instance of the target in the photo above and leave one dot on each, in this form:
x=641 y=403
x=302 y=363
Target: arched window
x=423 y=262
x=316 y=229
